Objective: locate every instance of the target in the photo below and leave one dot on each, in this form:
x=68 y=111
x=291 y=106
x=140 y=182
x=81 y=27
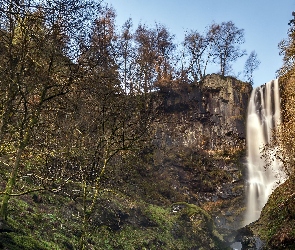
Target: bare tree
x=198 y=48
x=251 y=64
x=164 y=61
x=226 y=38
x=127 y=56
x=101 y=122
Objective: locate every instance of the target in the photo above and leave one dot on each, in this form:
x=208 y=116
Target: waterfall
x=263 y=117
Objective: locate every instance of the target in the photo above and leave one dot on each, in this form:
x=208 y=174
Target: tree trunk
x=12 y=179
x=10 y=184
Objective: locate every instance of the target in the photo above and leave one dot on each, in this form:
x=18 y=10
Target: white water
x=263 y=118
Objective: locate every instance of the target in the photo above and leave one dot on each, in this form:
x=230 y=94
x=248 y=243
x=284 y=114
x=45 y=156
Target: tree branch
x=23 y=193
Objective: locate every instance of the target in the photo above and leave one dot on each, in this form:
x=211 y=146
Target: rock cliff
x=210 y=116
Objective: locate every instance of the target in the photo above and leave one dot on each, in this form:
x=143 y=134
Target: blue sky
x=265 y=23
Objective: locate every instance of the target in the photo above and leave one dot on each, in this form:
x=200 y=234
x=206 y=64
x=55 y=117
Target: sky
x=265 y=24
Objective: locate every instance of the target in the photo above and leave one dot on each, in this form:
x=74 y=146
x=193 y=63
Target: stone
x=211 y=114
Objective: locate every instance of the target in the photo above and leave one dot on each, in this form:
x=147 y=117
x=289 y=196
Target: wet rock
x=242 y=232
x=248 y=243
x=248 y=240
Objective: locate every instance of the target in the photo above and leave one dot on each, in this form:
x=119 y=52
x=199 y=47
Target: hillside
x=183 y=191
x=118 y=138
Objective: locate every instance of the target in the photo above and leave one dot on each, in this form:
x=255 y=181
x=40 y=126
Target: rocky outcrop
x=210 y=115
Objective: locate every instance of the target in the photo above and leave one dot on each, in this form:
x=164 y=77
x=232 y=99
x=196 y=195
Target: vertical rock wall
x=210 y=115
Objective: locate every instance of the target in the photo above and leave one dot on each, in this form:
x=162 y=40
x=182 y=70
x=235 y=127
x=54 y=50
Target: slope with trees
x=78 y=103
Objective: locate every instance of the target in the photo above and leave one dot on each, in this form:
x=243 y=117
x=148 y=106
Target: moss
x=54 y=224
x=39 y=225
x=160 y=215
x=202 y=226
x=160 y=228
x=191 y=209
x=276 y=225
x=15 y=241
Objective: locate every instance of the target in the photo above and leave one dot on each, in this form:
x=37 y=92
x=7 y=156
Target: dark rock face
x=211 y=115
x=200 y=140
x=248 y=240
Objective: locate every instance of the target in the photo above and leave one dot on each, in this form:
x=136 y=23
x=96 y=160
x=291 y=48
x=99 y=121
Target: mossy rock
x=197 y=225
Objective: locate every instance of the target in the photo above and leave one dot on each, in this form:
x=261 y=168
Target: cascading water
x=263 y=117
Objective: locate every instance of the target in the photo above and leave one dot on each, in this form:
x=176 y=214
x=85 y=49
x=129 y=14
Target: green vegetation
x=79 y=105
x=54 y=224
x=139 y=213
x=276 y=226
